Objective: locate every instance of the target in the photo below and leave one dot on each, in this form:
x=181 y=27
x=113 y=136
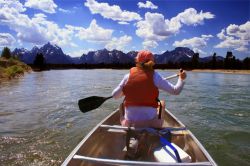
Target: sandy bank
x=225 y=71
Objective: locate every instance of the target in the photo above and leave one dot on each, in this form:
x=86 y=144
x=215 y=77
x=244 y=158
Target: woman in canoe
x=141 y=90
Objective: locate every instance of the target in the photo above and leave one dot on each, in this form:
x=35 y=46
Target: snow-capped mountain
x=25 y=55
x=53 y=54
x=179 y=54
x=106 y=57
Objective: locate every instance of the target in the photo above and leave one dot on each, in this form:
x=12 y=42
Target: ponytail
x=146 y=65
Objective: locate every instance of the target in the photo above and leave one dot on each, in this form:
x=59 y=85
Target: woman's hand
x=182 y=74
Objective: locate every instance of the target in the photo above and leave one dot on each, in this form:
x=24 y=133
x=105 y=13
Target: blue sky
x=79 y=26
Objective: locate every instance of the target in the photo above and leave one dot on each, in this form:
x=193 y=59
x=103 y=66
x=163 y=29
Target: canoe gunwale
x=195 y=140
x=172 y=115
x=202 y=148
x=138 y=163
x=73 y=154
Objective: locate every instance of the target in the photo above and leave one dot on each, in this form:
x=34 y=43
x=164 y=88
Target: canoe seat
x=166 y=154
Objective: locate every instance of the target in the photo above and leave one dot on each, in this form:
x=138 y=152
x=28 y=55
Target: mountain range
x=53 y=54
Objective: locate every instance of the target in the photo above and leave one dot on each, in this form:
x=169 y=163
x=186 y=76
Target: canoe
x=105 y=145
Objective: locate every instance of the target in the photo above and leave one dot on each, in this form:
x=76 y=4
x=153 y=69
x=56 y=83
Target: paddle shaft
x=170 y=77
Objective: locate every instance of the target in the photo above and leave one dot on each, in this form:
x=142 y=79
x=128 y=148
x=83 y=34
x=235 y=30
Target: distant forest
x=230 y=62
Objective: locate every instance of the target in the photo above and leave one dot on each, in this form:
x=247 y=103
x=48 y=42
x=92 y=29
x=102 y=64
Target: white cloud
x=37 y=30
x=119 y=43
x=52 y=32
x=47 y=6
x=113 y=12
x=146 y=28
x=206 y=36
x=94 y=33
x=148 y=44
x=242 y=49
x=21 y=23
x=222 y=35
x=196 y=43
x=148 y=4
x=191 y=17
x=123 y=23
x=79 y=53
x=85 y=51
x=235 y=37
x=239 y=31
x=156 y=28
x=64 y=10
x=6 y=39
x=197 y=50
x=12 y=5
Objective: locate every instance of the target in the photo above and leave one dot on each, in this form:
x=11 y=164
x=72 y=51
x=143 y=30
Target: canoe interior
x=110 y=145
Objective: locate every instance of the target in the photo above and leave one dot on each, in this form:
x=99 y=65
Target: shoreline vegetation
x=128 y=66
x=12 y=68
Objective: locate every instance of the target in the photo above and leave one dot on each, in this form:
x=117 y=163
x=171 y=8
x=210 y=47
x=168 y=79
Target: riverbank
x=224 y=71
x=12 y=68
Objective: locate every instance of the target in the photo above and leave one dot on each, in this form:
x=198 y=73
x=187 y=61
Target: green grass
x=13 y=71
x=10 y=68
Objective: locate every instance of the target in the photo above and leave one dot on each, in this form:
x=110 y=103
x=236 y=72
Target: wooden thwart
x=122 y=129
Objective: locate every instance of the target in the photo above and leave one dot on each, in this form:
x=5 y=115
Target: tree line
x=230 y=62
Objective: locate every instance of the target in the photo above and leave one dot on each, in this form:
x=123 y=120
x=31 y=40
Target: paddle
x=93 y=102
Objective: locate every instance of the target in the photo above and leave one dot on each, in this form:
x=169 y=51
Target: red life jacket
x=140 y=89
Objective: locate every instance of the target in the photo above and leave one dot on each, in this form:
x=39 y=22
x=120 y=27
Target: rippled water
x=40 y=123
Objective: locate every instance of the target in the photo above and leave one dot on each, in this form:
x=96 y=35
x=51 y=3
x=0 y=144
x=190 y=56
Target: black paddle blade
x=91 y=103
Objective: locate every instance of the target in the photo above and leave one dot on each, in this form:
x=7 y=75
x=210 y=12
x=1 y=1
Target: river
x=40 y=122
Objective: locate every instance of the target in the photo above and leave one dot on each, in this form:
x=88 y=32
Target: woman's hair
x=146 y=65
x=145 y=60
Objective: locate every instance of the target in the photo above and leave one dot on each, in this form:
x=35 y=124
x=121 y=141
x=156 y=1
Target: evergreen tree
x=214 y=61
x=39 y=61
x=195 y=60
x=229 y=55
x=6 y=53
x=246 y=63
x=229 y=62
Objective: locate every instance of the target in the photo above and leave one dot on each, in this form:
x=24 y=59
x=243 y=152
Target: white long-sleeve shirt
x=145 y=113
